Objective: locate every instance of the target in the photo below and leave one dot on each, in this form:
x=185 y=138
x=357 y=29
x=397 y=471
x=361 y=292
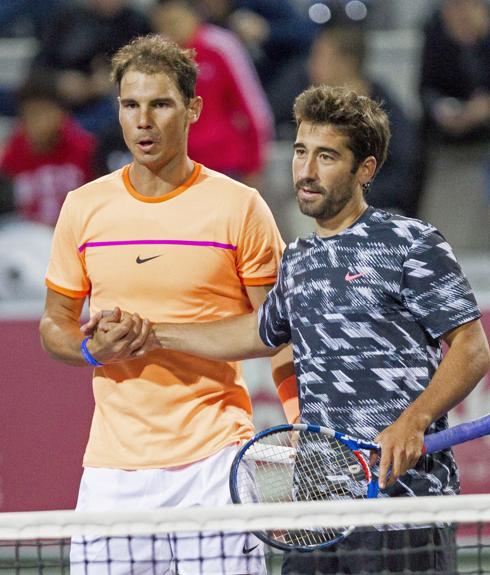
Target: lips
x=308 y=194
x=146 y=144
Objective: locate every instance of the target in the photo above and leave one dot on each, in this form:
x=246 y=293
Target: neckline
x=366 y=214
x=158 y=199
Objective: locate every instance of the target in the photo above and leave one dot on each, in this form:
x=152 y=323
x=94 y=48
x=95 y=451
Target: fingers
x=386 y=476
x=89 y=327
x=140 y=340
x=124 y=339
x=373 y=457
x=395 y=461
x=92 y=324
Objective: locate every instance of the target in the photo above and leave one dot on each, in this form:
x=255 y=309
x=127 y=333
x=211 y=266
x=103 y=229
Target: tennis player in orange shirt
x=177 y=242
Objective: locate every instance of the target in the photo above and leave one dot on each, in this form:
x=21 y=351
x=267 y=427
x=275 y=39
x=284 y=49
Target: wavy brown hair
x=360 y=118
x=153 y=54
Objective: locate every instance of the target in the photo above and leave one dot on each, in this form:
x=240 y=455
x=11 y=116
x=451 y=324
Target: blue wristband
x=87 y=356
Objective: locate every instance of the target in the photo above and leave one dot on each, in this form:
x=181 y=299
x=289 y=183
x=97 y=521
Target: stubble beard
x=331 y=204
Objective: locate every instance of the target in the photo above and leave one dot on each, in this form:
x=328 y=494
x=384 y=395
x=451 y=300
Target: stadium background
x=46 y=406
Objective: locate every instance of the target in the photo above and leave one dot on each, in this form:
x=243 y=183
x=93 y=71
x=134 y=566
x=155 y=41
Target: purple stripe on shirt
x=157 y=242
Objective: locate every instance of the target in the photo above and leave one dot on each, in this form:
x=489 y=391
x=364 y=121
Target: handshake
x=119 y=336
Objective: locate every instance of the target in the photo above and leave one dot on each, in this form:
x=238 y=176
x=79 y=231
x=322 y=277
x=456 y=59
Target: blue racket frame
x=432 y=443
x=352 y=443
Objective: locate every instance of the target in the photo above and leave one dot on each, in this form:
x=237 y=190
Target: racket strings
x=296 y=466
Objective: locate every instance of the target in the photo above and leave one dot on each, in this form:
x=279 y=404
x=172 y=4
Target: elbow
x=481 y=359
x=44 y=329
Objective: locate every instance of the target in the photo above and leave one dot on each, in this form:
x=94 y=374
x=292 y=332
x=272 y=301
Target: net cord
x=249 y=517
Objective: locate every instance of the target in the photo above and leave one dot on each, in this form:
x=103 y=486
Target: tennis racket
x=301 y=462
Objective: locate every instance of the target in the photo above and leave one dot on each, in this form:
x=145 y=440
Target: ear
x=366 y=170
x=194 y=109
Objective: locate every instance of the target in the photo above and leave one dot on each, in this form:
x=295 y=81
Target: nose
x=308 y=168
x=144 y=119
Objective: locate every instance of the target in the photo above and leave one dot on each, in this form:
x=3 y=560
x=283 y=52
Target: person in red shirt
x=236 y=123
x=47 y=155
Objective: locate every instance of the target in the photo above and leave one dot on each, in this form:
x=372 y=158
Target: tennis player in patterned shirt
x=174 y=241
x=366 y=300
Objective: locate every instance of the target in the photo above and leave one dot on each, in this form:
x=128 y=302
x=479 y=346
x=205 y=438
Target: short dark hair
x=360 y=118
x=153 y=54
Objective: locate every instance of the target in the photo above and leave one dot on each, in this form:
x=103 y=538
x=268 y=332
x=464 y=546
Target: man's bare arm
x=229 y=339
x=464 y=365
x=282 y=365
x=61 y=337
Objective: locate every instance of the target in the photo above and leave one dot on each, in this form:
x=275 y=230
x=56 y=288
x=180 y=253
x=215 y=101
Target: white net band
x=414 y=511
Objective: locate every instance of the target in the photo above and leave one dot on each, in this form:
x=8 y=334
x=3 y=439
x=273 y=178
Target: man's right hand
x=117 y=336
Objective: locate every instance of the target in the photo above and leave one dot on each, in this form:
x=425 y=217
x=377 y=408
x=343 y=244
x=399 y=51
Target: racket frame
x=354 y=444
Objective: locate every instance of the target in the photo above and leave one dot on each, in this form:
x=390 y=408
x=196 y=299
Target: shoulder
x=220 y=43
x=77 y=137
x=217 y=38
x=298 y=249
x=226 y=188
x=96 y=190
x=397 y=228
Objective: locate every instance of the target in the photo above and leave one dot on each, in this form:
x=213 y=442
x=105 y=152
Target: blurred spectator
x=78 y=46
x=278 y=38
x=48 y=154
x=112 y=152
x=338 y=58
x=27 y=17
x=455 y=76
x=235 y=126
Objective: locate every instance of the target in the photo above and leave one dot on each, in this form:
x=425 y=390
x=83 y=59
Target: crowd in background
x=254 y=57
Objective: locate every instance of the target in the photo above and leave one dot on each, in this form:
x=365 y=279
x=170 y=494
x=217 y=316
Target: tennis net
x=200 y=540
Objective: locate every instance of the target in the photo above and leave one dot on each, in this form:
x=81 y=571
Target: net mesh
x=207 y=540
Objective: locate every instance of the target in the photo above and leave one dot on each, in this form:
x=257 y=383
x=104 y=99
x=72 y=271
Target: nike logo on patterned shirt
x=351 y=277
x=143 y=260
x=246 y=550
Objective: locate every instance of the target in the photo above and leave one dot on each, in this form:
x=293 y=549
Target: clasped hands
x=118 y=335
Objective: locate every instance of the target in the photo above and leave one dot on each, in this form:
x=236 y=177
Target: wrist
x=287 y=391
x=86 y=348
x=420 y=420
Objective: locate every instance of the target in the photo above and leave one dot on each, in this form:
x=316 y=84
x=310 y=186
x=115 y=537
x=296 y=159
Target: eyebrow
x=164 y=100
x=332 y=151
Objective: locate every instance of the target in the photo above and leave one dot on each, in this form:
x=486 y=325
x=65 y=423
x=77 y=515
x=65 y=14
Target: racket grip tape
x=456 y=435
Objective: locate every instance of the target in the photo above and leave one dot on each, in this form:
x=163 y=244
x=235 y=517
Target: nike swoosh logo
x=143 y=260
x=247 y=550
x=351 y=277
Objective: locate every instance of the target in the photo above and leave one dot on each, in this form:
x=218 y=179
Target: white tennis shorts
x=202 y=483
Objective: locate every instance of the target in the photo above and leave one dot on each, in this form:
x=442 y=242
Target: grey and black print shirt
x=365 y=311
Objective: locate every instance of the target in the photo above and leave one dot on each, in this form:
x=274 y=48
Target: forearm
x=284 y=376
x=61 y=339
x=463 y=366
x=230 y=339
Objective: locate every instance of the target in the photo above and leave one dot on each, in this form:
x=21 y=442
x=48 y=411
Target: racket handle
x=457 y=434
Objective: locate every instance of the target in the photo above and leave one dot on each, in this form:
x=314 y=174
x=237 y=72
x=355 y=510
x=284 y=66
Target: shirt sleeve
x=260 y=245
x=274 y=326
x=434 y=287
x=66 y=269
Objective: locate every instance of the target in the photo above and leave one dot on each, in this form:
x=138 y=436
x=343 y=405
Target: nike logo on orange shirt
x=350 y=277
x=143 y=260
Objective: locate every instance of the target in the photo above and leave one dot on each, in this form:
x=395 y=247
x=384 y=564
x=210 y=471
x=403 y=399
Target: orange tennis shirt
x=183 y=257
